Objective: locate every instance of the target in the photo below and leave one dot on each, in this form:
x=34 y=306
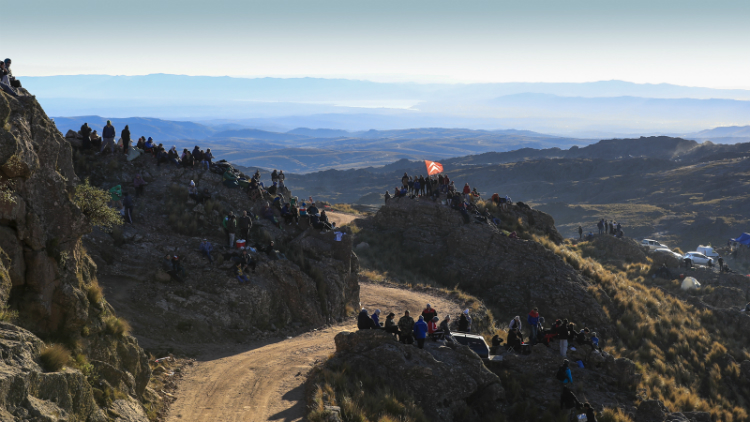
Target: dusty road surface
x=265 y=383
x=340 y=218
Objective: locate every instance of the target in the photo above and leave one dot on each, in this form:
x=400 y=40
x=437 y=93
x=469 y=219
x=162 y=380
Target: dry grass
x=345 y=208
x=54 y=357
x=116 y=326
x=676 y=346
x=94 y=293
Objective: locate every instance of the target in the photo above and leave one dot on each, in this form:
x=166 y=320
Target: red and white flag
x=433 y=167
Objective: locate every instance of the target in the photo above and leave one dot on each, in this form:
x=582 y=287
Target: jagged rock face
x=29 y=392
x=440 y=378
x=48 y=270
x=41 y=230
x=511 y=275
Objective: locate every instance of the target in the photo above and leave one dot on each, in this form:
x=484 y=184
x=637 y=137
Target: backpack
x=561 y=375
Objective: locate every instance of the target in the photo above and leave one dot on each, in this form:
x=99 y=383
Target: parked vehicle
x=708 y=251
x=698 y=258
x=667 y=251
x=652 y=244
x=475 y=342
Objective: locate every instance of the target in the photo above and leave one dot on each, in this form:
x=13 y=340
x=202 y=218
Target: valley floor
x=265 y=383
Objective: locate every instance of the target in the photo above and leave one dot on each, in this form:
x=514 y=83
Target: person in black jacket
x=364 y=322
x=244 y=224
x=108 y=137
x=86 y=135
x=563 y=335
x=127 y=203
x=568 y=400
x=125 y=135
x=590 y=414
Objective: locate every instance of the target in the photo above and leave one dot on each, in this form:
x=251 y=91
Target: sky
x=685 y=42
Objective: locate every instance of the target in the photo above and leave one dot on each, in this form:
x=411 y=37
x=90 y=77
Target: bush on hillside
x=94 y=203
x=54 y=357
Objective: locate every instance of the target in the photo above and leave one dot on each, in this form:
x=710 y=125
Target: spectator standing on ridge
x=467 y=193
x=230 y=227
x=563 y=373
x=533 y=320
x=244 y=223
x=721 y=264
x=86 y=135
x=108 y=136
x=580 y=233
x=428 y=313
x=405 y=180
x=406 y=326
x=390 y=325
x=420 y=332
x=207 y=157
x=125 y=135
x=127 y=203
x=563 y=335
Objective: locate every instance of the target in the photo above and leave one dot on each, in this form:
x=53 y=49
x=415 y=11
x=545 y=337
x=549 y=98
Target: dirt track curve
x=265 y=381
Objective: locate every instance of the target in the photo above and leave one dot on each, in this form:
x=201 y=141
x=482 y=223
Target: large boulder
x=441 y=379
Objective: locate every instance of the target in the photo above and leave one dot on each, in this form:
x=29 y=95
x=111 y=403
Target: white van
x=708 y=251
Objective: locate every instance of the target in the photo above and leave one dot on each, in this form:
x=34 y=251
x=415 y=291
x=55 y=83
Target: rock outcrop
x=47 y=275
x=511 y=275
x=442 y=380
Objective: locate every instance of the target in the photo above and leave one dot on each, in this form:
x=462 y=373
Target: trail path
x=265 y=383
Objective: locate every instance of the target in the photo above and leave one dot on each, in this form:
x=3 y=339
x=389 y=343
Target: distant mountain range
x=584 y=110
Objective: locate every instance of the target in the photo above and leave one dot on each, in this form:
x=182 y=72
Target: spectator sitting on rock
x=420 y=331
x=272 y=189
x=241 y=276
x=376 y=318
x=274 y=176
x=390 y=325
x=141 y=144
x=429 y=312
x=326 y=224
x=312 y=209
x=364 y=322
x=5 y=83
x=229 y=179
x=406 y=327
x=303 y=210
x=287 y=214
x=173 y=156
x=168 y=268
x=278 y=201
x=445 y=328
x=432 y=329
x=595 y=342
x=464 y=322
x=564 y=374
x=247 y=262
x=149 y=145
x=206 y=248
x=187 y=158
x=193 y=192
x=139 y=184
x=267 y=213
x=514 y=341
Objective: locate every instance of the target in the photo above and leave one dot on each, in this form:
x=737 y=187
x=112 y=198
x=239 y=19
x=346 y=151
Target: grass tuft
x=54 y=357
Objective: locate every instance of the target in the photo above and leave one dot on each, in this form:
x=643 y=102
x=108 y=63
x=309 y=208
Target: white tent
x=690 y=283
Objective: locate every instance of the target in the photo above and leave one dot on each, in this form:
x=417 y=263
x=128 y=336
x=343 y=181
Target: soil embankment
x=265 y=382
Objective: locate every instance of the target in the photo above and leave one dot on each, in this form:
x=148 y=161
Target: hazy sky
x=686 y=42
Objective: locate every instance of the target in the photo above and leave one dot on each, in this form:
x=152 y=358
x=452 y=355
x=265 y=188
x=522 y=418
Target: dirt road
x=341 y=218
x=265 y=383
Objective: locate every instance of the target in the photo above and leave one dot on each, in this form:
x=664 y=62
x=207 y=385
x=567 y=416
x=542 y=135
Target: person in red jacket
x=467 y=193
x=432 y=328
x=429 y=313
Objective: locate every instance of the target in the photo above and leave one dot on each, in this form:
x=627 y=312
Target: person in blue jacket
x=376 y=317
x=568 y=375
x=206 y=247
x=420 y=331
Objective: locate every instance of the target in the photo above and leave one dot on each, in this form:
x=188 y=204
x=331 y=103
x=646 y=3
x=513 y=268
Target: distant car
x=652 y=244
x=475 y=343
x=698 y=258
x=668 y=252
x=708 y=251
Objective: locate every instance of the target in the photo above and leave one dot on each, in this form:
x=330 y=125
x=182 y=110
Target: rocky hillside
x=49 y=287
x=511 y=275
x=310 y=282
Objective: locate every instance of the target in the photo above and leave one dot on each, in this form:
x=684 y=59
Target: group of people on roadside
x=611 y=227
x=563 y=331
x=407 y=331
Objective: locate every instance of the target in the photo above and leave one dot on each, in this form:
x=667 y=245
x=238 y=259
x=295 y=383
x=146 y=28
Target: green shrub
x=93 y=202
x=54 y=357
